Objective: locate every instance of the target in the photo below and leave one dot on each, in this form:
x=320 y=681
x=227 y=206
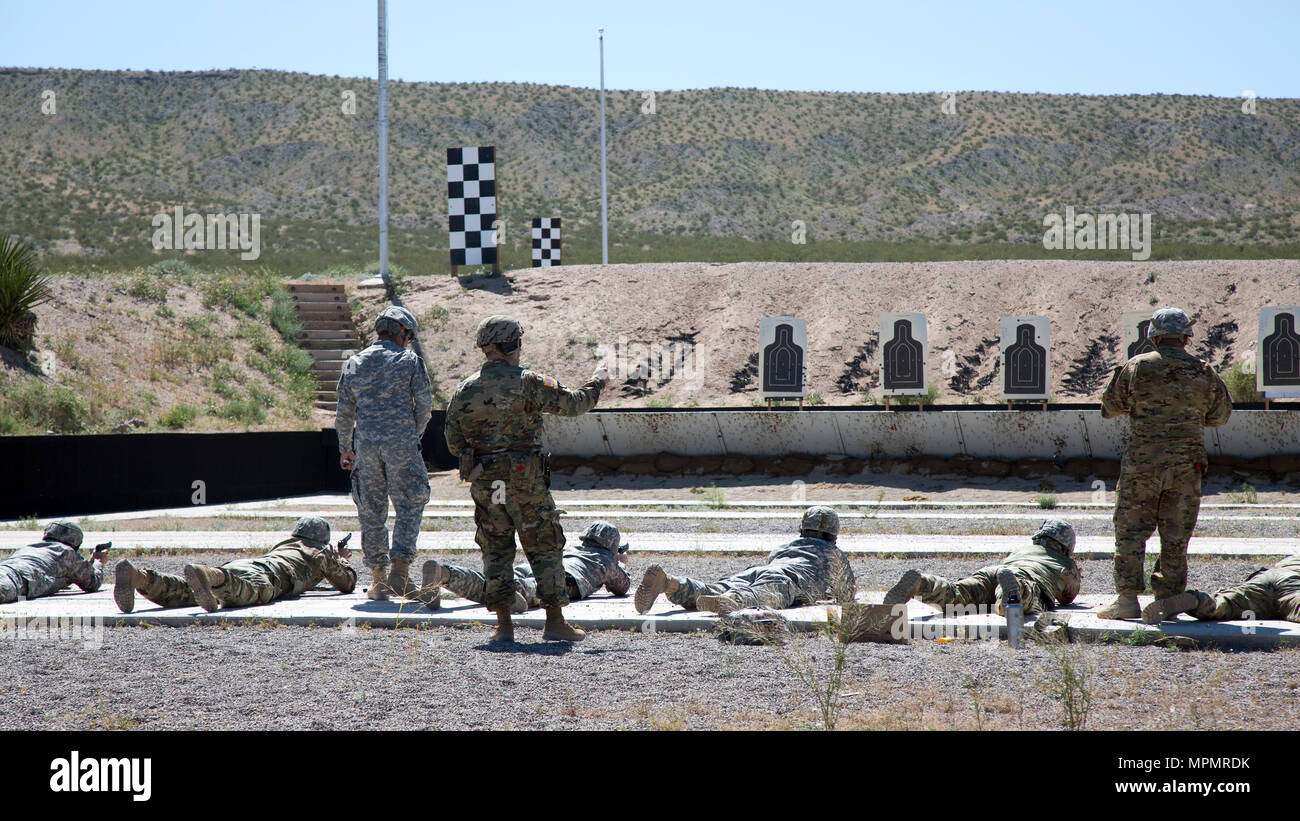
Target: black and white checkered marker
x=546 y=241
x=472 y=205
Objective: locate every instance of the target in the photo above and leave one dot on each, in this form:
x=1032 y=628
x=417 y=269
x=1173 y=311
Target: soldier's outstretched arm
x=1220 y=404
x=550 y=396
x=1117 y=400
x=345 y=414
x=1072 y=580
x=337 y=571
x=89 y=573
x=423 y=396
x=618 y=582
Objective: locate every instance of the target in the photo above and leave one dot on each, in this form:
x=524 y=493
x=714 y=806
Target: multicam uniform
x=384 y=394
x=1045 y=575
x=1268 y=593
x=587 y=568
x=797 y=573
x=292 y=567
x=1170 y=397
x=45 y=568
x=496 y=417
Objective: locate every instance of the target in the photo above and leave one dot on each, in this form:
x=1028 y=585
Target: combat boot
x=378 y=585
x=1166 y=608
x=201 y=580
x=557 y=629
x=722 y=603
x=653 y=583
x=1125 y=606
x=906 y=589
x=399 y=579
x=430 y=591
x=127 y=580
x=505 y=627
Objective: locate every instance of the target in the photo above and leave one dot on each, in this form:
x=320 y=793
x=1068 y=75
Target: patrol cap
x=1170 y=322
x=1057 y=531
x=497 y=328
x=396 y=315
x=65 y=532
x=821 y=518
x=312 y=529
x=603 y=534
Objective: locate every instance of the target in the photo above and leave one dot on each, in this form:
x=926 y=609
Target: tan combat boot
x=378 y=585
x=430 y=591
x=505 y=627
x=127 y=580
x=722 y=604
x=906 y=588
x=1165 y=609
x=557 y=629
x=1125 y=606
x=399 y=579
x=653 y=583
x=201 y=580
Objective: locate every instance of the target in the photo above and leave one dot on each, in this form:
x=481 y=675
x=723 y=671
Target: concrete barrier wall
x=884 y=434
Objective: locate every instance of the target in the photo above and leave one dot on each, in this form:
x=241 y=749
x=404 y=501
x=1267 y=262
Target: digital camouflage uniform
x=290 y=568
x=384 y=396
x=1045 y=574
x=587 y=568
x=1170 y=397
x=798 y=573
x=48 y=566
x=1269 y=593
x=496 y=415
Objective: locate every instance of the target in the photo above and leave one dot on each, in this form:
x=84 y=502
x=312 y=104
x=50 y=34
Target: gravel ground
x=280 y=677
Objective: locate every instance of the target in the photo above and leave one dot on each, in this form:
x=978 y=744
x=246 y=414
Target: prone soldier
x=292 y=566
x=800 y=572
x=1268 y=593
x=494 y=425
x=1170 y=397
x=596 y=561
x=1043 y=575
x=384 y=396
x=48 y=566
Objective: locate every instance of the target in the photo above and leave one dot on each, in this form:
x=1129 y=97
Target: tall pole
x=604 y=191
x=383 y=141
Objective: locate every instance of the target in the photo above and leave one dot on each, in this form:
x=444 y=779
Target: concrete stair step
x=309 y=285
x=314 y=299
x=337 y=333
x=327 y=396
x=331 y=354
x=328 y=406
x=331 y=324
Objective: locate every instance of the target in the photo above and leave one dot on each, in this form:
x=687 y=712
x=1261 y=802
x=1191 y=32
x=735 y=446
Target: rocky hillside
x=118 y=147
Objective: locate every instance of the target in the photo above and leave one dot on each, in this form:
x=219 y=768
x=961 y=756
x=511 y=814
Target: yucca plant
x=23 y=286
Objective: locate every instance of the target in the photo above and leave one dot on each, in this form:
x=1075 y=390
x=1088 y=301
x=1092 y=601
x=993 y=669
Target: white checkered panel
x=546 y=242
x=472 y=204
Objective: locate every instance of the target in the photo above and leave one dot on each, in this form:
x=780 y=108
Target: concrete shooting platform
x=329 y=609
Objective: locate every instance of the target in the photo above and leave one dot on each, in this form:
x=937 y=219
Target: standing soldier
x=1170 y=396
x=384 y=392
x=50 y=565
x=494 y=425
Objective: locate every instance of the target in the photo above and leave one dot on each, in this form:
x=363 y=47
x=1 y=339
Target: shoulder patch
x=548 y=381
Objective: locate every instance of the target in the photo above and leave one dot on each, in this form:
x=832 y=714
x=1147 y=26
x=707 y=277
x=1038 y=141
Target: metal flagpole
x=604 y=198
x=383 y=142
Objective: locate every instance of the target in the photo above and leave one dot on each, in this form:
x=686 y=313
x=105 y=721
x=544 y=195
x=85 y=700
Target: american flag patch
x=548 y=381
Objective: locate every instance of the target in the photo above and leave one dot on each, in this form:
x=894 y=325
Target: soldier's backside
x=383 y=394
x=816 y=566
x=1056 y=574
x=500 y=408
x=47 y=567
x=590 y=568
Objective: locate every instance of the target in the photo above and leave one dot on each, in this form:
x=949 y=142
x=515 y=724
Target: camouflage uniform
x=1045 y=574
x=292 y=567
x=48 y=566
x=384 y=393
x=1268 y=593
x=1170 y=397
x=797 y=573
x=494 y=419
x=588 y=566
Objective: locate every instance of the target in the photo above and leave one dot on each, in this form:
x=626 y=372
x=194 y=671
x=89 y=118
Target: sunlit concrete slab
x=651 y=543
x=79 y=614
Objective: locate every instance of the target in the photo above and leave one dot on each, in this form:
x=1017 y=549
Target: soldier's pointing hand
x=602 y=373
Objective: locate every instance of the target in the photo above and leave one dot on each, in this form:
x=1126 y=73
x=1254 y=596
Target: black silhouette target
x=903 y=359
x=783 y=363
x=1143 y=343
x=1281 y=351
x=1025 y=364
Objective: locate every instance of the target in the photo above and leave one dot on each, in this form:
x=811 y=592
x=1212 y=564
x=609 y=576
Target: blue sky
x=1094 y=47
